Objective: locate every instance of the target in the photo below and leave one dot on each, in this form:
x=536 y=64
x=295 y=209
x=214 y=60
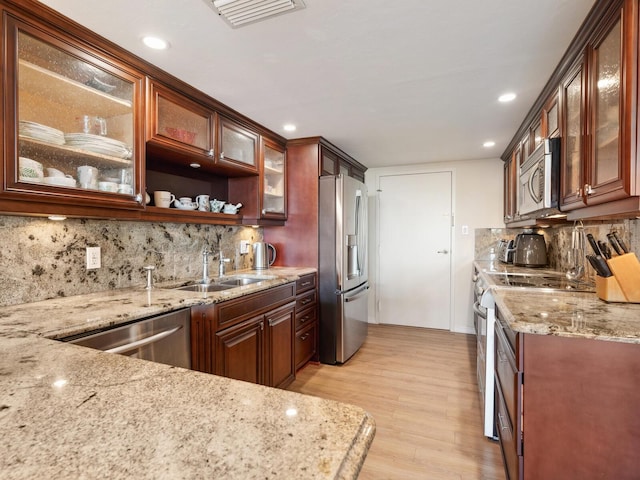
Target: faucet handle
x=149 y=269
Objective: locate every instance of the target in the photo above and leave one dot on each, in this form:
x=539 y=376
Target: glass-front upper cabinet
x=572 y=148
x=70 y=128
x=606 y=164
x=180 y=123
x=274 y=192
x=238 y=147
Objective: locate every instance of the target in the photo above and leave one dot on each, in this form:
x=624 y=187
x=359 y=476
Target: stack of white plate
x=41 y=132
x=98 y=144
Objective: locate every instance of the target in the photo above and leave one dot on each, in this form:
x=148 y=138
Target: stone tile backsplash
x=558 y=239
x=42 y=259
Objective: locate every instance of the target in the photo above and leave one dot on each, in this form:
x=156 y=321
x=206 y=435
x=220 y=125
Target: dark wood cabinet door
x=237 y=146
x=606 y=172
x=329 y=163
x=280 y=336
x=573 y=117
x=239 y=351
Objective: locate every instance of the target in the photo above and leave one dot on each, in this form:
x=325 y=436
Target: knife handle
x=623 y=246
x=614 y=243
x=594 y=244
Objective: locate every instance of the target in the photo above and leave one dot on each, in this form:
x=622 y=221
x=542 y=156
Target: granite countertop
x=71 y=412
x=563 y=313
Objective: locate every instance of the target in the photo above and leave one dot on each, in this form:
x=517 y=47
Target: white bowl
x=108 y=186
x=60 y=181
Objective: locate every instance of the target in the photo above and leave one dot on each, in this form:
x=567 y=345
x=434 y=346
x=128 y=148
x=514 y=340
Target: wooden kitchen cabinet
x=306 y=320
x=566 y=407
x=280 y=326
x=182 y=125
x=597 y=149
x=264 y=198
x=239 y=351
x=573 y=116
x=306 y=161
x=248 y=338
x=511 y=167
x=68 y=104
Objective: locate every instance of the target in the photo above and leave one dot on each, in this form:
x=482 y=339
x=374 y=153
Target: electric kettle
x=530 y=250
x=261 y=255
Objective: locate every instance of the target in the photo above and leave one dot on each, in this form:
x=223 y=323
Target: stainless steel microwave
x=539 y=185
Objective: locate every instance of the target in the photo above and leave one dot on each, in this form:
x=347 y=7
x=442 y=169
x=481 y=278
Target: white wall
x=477 y=203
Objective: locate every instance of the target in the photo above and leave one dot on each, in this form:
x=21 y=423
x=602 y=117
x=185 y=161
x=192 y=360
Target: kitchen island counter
x=71 y=412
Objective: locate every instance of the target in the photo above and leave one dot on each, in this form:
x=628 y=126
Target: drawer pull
x=305 y=301
x=305 y=284
x=304 y=337
x=502 y=422
x=305 y=318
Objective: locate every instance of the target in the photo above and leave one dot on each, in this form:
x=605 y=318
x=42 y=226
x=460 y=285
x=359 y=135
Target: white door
x=414 y=264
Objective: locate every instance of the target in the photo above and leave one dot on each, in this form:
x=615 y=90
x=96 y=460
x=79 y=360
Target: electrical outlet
x=244 y=247
x=93 y=258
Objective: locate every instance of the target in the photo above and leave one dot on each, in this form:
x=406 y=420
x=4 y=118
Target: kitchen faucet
x=222 y=262
x=205 y=266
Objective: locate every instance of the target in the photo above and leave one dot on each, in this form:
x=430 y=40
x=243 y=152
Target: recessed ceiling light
x=289 y=127
x=489 y=143
x=507 y=97
x=155 y=42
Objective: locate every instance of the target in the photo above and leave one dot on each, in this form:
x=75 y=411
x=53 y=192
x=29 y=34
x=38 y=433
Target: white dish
x=180 y=206
x=30 y=179
x=29 y=168
x=60 y=181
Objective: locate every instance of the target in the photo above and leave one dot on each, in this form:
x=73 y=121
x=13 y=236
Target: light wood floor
x=420 y=387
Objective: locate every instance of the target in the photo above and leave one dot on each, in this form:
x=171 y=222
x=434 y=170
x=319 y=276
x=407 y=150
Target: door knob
x=443 y=251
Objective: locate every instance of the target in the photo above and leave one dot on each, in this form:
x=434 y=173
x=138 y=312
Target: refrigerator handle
x=353 y=294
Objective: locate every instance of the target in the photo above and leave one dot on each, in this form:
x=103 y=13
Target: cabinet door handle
x=210 y=153
x=588 y=189
x=221 y=155
x=578 y=192
x=502 y=422
x=502 y=358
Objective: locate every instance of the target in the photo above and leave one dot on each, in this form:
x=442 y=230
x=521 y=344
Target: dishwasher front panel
x=162 y=339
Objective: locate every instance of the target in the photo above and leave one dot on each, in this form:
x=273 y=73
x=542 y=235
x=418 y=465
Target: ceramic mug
x=163 y=199
x=186 y=201
x=88 y=176
x=203 y=203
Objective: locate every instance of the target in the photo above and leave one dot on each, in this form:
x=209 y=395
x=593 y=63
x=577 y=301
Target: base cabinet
x=249 y=338
x=280 y=345
x=306 y=320
x=575 y=401
x=240 y=351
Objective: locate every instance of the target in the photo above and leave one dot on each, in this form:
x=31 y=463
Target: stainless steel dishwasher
x=163 y=339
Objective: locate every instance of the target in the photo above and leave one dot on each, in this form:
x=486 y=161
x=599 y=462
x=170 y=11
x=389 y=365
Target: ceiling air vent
x=239 y=13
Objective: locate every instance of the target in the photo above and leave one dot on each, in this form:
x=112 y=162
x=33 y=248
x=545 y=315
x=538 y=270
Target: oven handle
x=537 y=197
x=144 y=341
x=478 y=309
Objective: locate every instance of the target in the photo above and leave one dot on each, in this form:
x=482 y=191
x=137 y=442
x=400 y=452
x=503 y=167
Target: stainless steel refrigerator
x=343 y=271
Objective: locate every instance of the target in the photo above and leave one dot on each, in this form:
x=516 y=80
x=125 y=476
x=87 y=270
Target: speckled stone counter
x=72 y=412
x=562 y=313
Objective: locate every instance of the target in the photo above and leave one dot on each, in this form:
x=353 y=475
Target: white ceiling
x=390 y=82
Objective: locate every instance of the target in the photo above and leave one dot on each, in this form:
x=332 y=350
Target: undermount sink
x=205 y=287
x=237 y=282
x=224 y=283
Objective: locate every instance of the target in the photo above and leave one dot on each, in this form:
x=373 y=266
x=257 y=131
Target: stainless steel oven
x=163 y=339
x=484 y=320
